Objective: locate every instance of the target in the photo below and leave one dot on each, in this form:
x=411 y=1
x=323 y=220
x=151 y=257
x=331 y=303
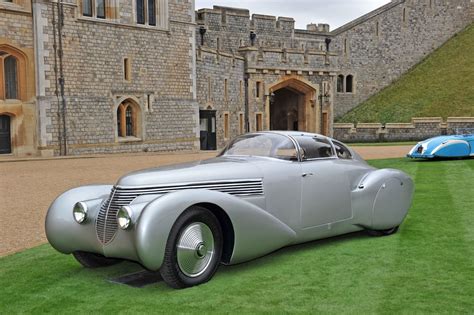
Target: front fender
x=256 y=231
x=65 y=234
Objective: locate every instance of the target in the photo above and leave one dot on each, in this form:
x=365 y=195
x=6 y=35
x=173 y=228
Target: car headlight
x=124 y=218
x=80 y=212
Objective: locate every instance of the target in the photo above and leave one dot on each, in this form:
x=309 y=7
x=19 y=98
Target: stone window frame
x=127 y=69
x=344 y=84
x=340 y=83
x=241 y=123
x=226 y=90
x=137 y=120
x=258 y=89
x=21 y=64
x=16 y=5
x=258 y=121
x=161 y=14
x=226 y=123
x=351 y=85
x=241 y=91
x=209 y=90
x=111 y=10
x=405 y=17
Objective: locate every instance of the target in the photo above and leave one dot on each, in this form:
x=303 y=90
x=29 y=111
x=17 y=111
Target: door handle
x=307 y=174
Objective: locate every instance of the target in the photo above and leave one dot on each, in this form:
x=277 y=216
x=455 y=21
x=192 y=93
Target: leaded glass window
x=87 y=7
x=151 y=12
x=11 y=77
x=100 y=8
x=140 y=11
x=129 y=121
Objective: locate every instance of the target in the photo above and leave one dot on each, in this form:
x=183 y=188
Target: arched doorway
x=5 y=135
x=292 y=105
x=287 y=110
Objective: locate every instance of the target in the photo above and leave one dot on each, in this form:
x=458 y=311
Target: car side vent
x=106 y=224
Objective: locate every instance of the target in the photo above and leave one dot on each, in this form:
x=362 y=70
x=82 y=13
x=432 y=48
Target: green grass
x=440 y=86
x=428 y=267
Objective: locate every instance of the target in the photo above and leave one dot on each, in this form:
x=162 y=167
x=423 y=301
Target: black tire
x=90 y=260
x=171 y=271
x=378 y=233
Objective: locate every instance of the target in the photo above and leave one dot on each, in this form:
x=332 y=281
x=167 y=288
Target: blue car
x=456 y=146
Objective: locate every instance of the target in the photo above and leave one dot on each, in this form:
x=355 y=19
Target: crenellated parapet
x=229 y=29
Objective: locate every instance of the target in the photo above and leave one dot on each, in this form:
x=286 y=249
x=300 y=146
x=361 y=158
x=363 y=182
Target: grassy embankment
x=440 y=86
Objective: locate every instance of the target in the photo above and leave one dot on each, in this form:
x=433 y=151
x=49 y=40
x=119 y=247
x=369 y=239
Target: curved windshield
x=266 y=145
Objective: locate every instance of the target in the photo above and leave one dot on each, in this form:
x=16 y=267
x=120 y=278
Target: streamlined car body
x=455 y=146
x=265 y=191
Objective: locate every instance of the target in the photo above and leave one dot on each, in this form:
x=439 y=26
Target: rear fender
x=452 y=148
x=382 y=199
x=256 y=231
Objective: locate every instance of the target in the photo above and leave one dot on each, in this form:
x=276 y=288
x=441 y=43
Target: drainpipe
x=56 y=80
x=61 y=75
x=247 y=120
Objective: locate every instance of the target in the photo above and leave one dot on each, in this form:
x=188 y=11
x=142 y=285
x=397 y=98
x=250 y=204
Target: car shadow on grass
x=133 y=275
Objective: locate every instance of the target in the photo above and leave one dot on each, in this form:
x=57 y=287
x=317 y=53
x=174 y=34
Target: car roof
x=293 y=133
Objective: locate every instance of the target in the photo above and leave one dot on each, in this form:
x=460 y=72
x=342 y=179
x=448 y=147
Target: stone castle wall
x=382 y=45
x=16 y=38
x=418 y=129
x=215 y=72
x=174 y=72
x=161 y=81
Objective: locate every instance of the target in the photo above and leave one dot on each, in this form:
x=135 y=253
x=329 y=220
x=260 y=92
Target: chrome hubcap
x=195 y=249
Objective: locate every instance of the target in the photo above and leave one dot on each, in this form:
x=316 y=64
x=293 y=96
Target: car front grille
x=106 y=224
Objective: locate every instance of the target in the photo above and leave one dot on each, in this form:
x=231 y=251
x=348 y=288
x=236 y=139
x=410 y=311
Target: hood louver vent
x=106 y=225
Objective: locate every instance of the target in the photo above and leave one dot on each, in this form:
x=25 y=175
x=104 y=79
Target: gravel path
x=28 y=187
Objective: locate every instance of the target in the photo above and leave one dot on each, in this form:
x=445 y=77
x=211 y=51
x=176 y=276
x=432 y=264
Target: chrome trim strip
x=106 y=224
x=215 y=183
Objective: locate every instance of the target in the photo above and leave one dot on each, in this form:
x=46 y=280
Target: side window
x=315 y=148
x=342 y=151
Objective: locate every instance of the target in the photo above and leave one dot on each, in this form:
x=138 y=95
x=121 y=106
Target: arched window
x=127 y=120
x=129 y=132
x=349 y=84
x=9 y=76
x=340 y=83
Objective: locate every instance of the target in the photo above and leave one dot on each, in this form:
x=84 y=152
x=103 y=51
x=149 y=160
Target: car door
x=325 y=187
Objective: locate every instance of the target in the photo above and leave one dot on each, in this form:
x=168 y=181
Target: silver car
x=265 y=191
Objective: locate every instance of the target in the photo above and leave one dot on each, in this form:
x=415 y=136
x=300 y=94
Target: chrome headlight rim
x=79 y=212
x=124 y=218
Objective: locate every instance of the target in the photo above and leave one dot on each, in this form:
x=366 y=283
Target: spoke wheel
x=193 y=250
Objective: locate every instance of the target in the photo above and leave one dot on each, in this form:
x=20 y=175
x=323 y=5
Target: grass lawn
x=427 y=267
x=442 y=85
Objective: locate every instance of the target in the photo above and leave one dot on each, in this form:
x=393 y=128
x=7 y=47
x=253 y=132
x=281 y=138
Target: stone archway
x=293 y=105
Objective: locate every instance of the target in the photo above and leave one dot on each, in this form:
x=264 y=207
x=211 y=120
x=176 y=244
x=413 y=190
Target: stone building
x=17 y=79
x=100 y=76
x=303 y=79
